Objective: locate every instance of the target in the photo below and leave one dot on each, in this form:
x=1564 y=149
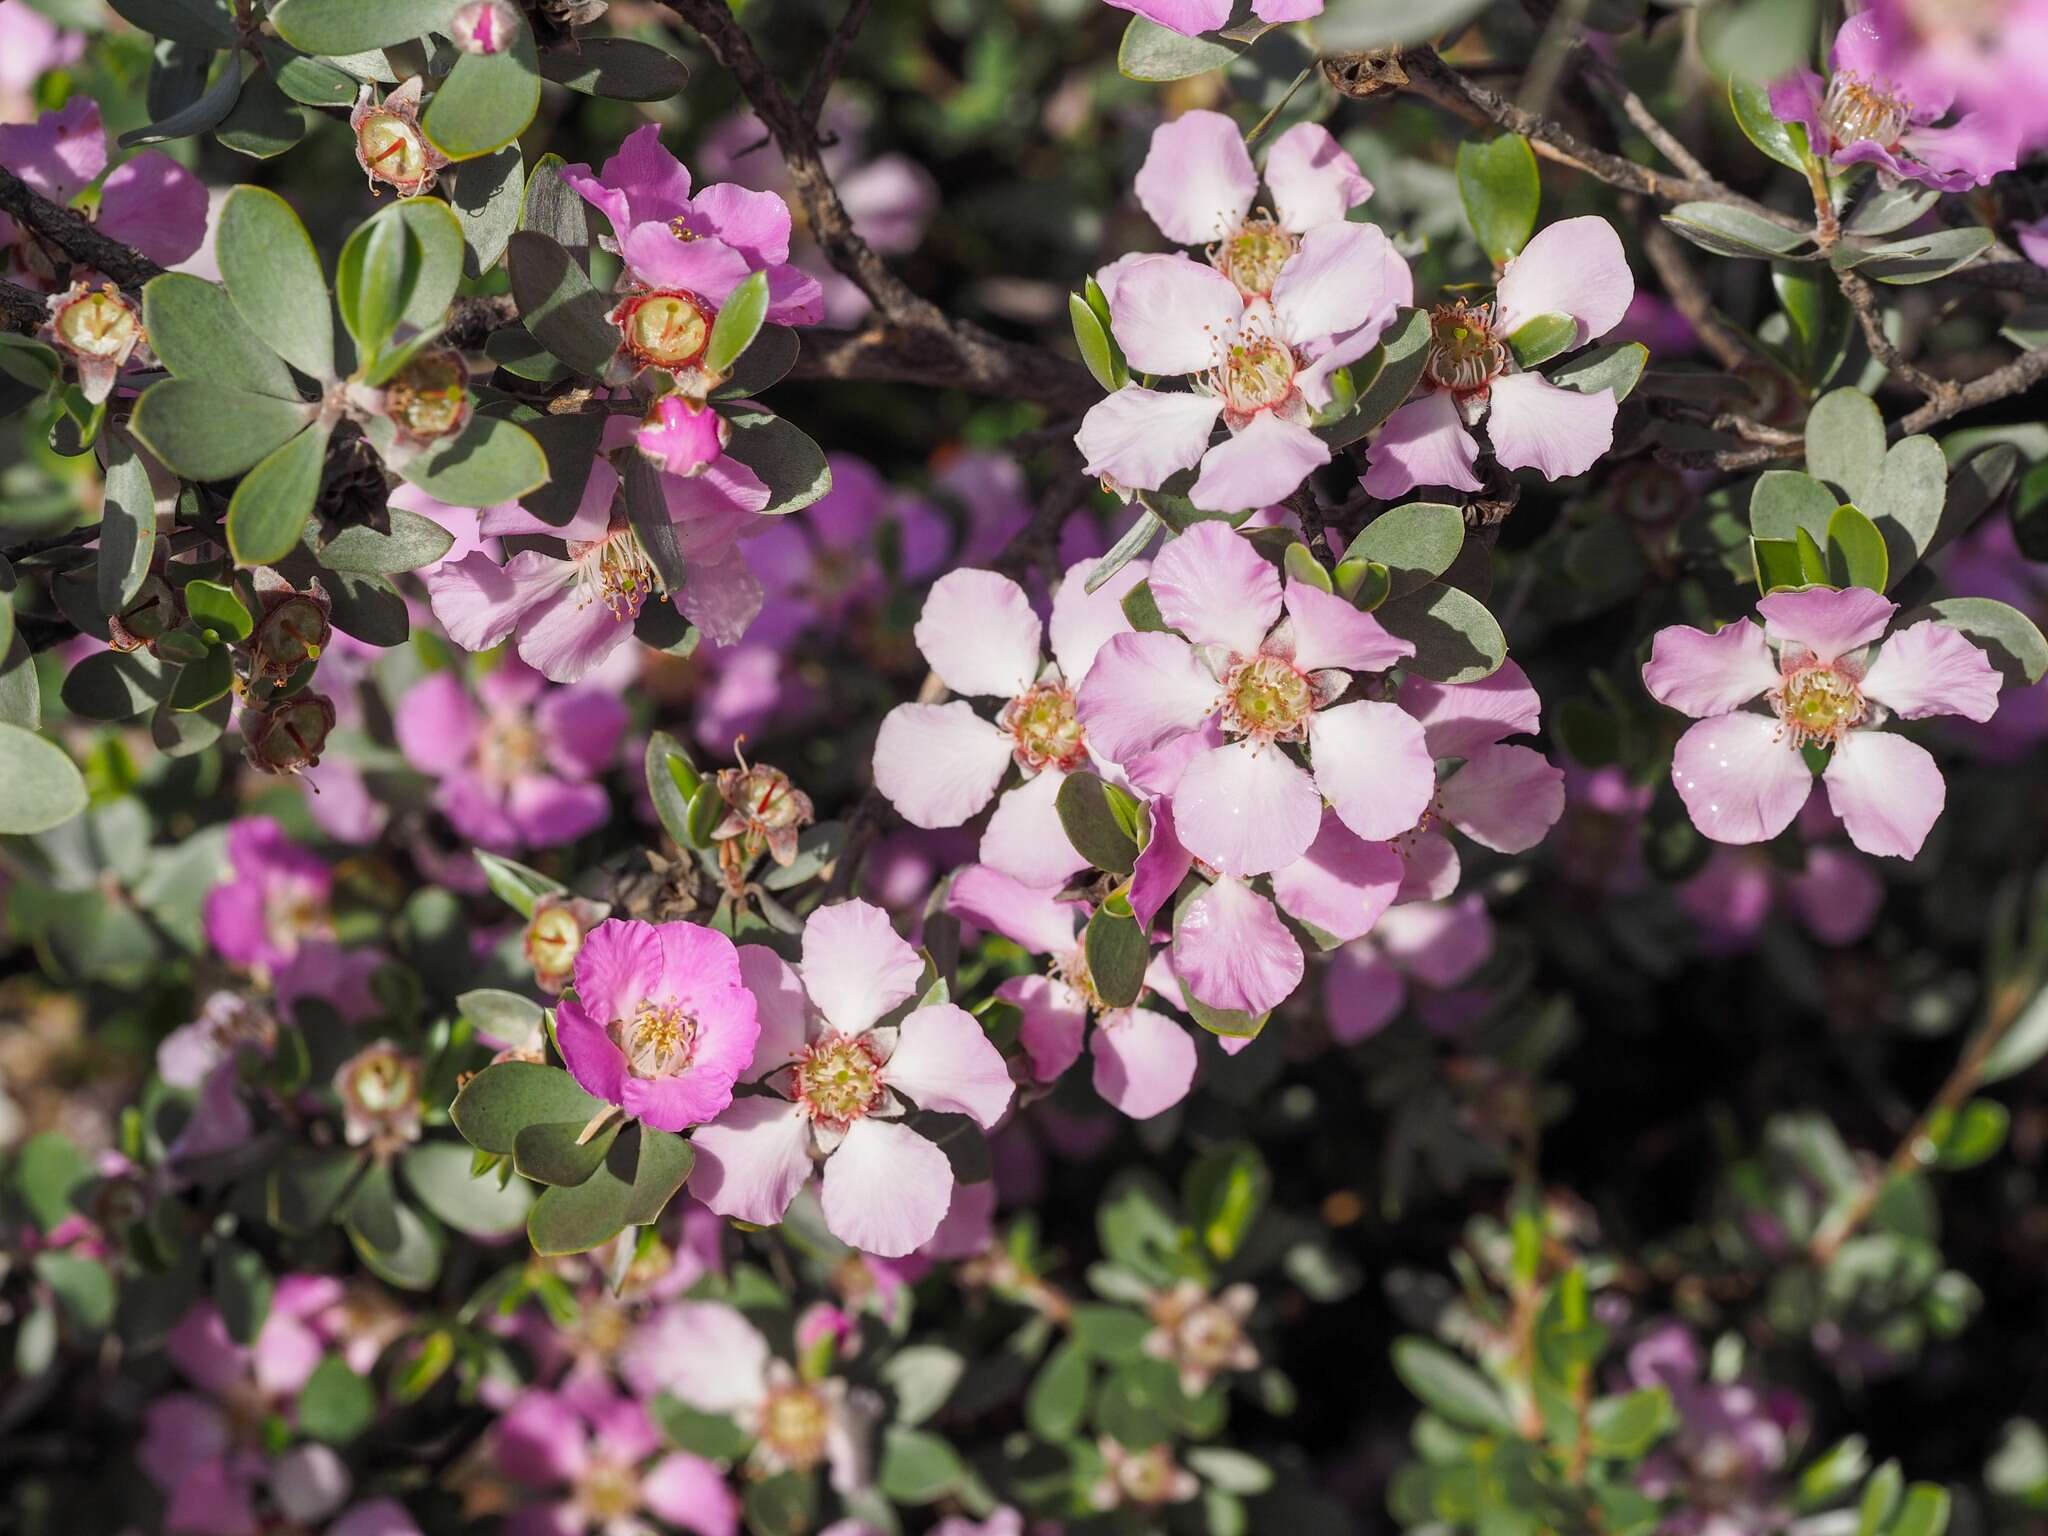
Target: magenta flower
x=1743 y=773
x=149 y=201
x=838 y=1079
x=1199 y=185
x=1191 y=18
x=1991 y=54
x=601 y=1457
x=1262 y=366
x=1878 y=109
x=274 y=900
x=685 y=254
x=1427 y=944
x=1258 y=687
x=571 y=612
x=1144 y=1061
x=1726 y=1464
x=1835 y=895
x=30 y=46
x=518 y=763
x=939 y=764
x=662 y=1023
x=1575 y=268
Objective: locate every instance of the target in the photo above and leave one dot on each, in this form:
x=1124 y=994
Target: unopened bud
x=389 y=144
x=484 y=26
x=429 y=398
x=292 y=630
x=289 y=736
x=100 y=330
x=380 y=1097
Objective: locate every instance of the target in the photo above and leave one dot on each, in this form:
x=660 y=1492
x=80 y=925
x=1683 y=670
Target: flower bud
x=429 y=399
x=484 y=26
x=290 y=736
x=554 y=938
x=380 y=1097
x=667 y=329
x=682 y=436
x=390 y=147
x=291 y=630
x=764 y=809
x=146 y=619
x=100 y=330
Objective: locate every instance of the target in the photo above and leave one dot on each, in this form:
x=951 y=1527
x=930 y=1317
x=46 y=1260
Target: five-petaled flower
x=1742 y=772
x=1191 y=18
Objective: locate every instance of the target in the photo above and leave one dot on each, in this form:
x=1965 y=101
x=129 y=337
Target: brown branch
x=22 y=310
x=898 y=354
x=1728 y=345
x=1607 y=80
x=834 y=60
x=1863 y=300
x=73 y=233
x=2016 y=377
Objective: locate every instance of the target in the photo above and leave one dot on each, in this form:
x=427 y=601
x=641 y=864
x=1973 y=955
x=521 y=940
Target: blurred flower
x=379 y=1088
x=1147 y=1479
x=1835 y=893
x=1200 y=1335
x=601 y=1456
x=1991 y=54
x=1437 y=945
x=1725 y=1465
x=1191 y=18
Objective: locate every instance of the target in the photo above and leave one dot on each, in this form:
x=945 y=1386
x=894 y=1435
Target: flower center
x=393 y=150
x=99 y=325
x=1071 y=969
x=619 y=568
x=658 y=1041
x=1268 y=697
x=1045 y=727
x=793 y=1423
x=430 y=396
x=838 y=1079
x=1253 y=256
x=1819 y=704
x=509 y=750
x=1258 y=374
x=1464 y=354
x=383 y=1083
x=1148 y=1476
x=666 y=329
x=608 y=1490
x=1857 y=109
x=293 y=911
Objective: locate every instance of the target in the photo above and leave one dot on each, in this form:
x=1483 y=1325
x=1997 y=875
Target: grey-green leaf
x=197 y=333
x=44 y=787
x=211 y=432
x=273 y=275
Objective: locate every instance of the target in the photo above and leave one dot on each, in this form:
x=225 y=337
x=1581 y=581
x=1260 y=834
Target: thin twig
x=1607 y=80
x=1863 y=300
x=834 y=60
x=73 y=233
x=1682 y=284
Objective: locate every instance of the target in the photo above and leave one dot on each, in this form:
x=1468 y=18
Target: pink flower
x=1878 y=109
x=1191 y=18
x=30 y=46
x=662 y=1023
x=1743 y=773
x=838 y=1079
x=713 y=1359
x=149 y=201
x=1575 y=268
x=273 y=901
x=1199 y=185
x=1437 y=945
x=1248 y=685
x=939 y=764
x=518 y=762
x=1836 y=894
x=571 y=613
x=600 y=1455
x=684 y=255
x=682 y=436
x=1144 y=1061
x=1992 y=55
x=1261 y=366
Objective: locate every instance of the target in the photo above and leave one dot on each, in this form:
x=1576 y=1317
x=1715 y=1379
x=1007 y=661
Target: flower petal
x=703 y=1352
x=597 y=1064
x=1197 y=182
x=1441 y=944
x=1331 y=632
x=1162 y=864
x=944 y=1061
x=436 y=724
x=1190 y=18
x=1171 y=315
x=1144 y=1062
x=1333 y=283
x=1505 y=798
x=1313 y=181
x=1342 y=884
x=1143 y=691
x=1216 y=589
x=711 y=269
x=1082 y=620
x=886 y=1188
x=1246 y=810
x=1231 y=950
x=1574 y=267
x=154 y=204
x=1055 y=1019
x=1264 y=463
x=566 y=638
x=782 y=1009
x=1140 y=438
x=1741 y=779
x=938 y=764
x=690 y=1492
x=1838 y=895
x=479 y=601
x=1705 y=674
x=1535 y=424
x=1372 y=763
x=979 y=634
x=1930 y=669
x=1825 y=621
x=1422 y=443
x=855 y=965
x=1460 y=718
x=992 y=900
x=752 y=1159
x=1363 y=993
x=1026 y=839
x=1887 y=790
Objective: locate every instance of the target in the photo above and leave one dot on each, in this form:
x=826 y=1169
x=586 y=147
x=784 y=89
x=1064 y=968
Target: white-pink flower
x=838 y=1080
x=1191 y=18
x=1815 y=664
x=1261 y=366
x=1435 y=945
x=1256 y=690
x=1575 y=269
x=939 y=764
x=1144 y=1063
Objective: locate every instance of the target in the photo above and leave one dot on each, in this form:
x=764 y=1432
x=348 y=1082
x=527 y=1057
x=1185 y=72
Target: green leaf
x=1618 y=367
x=711 y=1435
x=917 y=1467
x=1152 y=52
x=518 y=887
x=374 y=280
x=49 y=1171
x=1225 y=1190
x=1822 y=321
x=1416 y=542
x=1971 y=1135
x=336 y=1405
x=1367 y=583
x=1730 y=231
x=1626 y=1427
x=1231 y=1471
x=1855 y=552
x=127 y=533
x=1301 y=567
x=442 y=252
x=1845 y=443
x=1098 y=349
x=1924 y=1513
x=414 y=541
x=1918 y=258
x=311 y=82
x=1358 y=25
x=1404 y=351
x=264 y=123
x=487 y=462
x=83 y=1288
x=218 y=608
x=504 y=1098
x=207 y=111
x=1456 y=640
x=557 y=302
x=2023 y=1044
x=553 y=209
x=1539 y=340
x=671 y=781
x=1117 y=956
x=356 y=26
x=242 y=1288
x=707 y=810
x=1813 y=559
x=783 y=1505
x=304 y=1188
x=197 y=333
x=1908 y=499
x=1885 y=210
x=1758 y=39
x=1783 y=501
x=199 y=683
x=792 y=466
x=1141 y=609
x=273 y=275
x=922 y=1377
x=1110 y=1332
x=486 y=195
x=1142 y=531
x=44 y=787
x=551 y=1153
x=617 y=67
x=738 y=323
x=202 y=23
x=1880 y=1499
x=1782 y=142
x=440 y=1177
x=486 y=101
x=766 y=362
x=269 y=509
x=1451 y=1388
x=630 y=1188
x=1058 y=1398
x=205 y=431
x=1498 y=184
x=414 y=1262
x=2009 y=638
x=1092 y=824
